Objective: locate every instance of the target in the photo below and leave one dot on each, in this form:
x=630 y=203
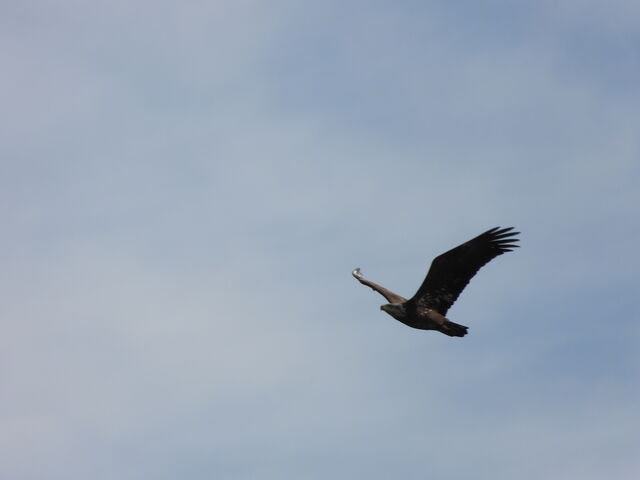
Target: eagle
x=448 y=275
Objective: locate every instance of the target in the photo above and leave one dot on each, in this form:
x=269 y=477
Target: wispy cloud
x=185 y=189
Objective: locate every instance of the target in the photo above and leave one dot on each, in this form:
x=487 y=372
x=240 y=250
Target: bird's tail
x=453 y=329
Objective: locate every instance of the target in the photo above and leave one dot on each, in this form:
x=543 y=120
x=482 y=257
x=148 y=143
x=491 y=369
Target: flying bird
x=447 y=277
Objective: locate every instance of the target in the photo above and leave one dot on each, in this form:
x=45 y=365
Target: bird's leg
x=388 y=294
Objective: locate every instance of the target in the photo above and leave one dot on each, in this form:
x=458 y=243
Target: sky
x=185 y=188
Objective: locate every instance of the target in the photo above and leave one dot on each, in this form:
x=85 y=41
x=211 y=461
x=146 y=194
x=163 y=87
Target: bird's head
x=396 y=310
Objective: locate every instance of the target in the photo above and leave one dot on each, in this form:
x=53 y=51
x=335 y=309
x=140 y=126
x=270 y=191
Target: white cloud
x=182 y=217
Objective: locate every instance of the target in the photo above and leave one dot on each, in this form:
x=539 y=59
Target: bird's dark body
x=447 y=277
x=422 y=318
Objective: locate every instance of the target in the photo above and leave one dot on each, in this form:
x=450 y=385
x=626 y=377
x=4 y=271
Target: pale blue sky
x=185 y=188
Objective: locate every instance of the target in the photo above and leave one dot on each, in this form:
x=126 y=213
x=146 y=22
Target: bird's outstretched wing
x=451 y=271
x=388 y=294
